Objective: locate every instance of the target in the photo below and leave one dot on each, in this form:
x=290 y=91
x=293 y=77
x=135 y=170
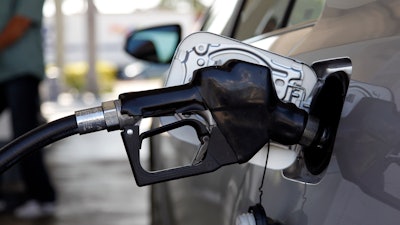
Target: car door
x=360 y=184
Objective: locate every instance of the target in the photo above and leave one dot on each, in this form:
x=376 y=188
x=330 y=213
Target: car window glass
x=221 y=17
x=305 y=10
x=260 y=16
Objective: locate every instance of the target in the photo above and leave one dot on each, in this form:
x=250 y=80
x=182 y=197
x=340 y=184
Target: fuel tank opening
x=327 y=107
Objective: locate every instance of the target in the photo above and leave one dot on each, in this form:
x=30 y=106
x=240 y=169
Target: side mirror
x=155 y=44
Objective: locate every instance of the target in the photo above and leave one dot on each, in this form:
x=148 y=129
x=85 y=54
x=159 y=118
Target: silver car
x=352 y=181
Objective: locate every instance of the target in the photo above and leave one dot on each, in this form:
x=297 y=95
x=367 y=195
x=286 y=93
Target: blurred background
x=84 y=39
x=86 y=65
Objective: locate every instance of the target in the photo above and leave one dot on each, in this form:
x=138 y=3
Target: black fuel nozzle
x=243 y=102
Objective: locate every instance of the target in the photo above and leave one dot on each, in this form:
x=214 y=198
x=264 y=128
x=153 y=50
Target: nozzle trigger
x=202 y=133
x=213 y=153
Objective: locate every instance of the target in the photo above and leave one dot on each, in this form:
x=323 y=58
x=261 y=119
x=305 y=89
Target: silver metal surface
x=293 y=80
x=111 y=115
x=90 y=120
x=107 y=116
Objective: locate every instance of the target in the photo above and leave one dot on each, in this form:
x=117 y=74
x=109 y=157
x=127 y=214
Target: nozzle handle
x=211 y=162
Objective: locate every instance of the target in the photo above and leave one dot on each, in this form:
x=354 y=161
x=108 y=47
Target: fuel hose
x=37 y=139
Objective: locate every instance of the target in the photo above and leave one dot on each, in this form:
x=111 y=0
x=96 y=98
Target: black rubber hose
x=36 y=139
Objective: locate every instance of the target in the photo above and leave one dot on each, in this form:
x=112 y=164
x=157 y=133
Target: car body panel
x=361 y=184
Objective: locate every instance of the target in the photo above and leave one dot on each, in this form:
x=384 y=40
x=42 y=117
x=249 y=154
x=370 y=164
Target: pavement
x=91 y=172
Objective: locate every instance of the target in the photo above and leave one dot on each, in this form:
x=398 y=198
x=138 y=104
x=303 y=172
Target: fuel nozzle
x=243 y=103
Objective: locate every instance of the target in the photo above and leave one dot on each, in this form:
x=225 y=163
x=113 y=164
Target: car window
x=243 y=19
x=305 y=10
x=221 y=17
x=260 y=16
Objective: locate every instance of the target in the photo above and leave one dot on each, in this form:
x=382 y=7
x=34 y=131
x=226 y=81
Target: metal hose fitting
x=107 y=116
